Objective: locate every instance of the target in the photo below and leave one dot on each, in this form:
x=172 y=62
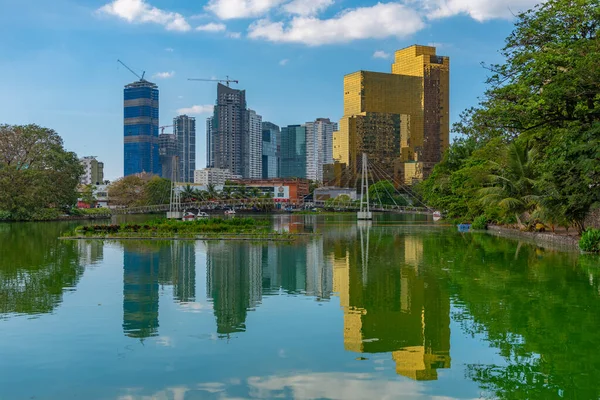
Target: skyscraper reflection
x=233 y=283
x=145 y=266
x=398 y=307
x=140 y=289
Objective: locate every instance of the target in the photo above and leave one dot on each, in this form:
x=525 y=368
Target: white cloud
x=480 y=10
x=196 y=110
x=169 y=49
x=381 y=54
x=164 y=75
x=284 y=62
x=234 y=35
x=230 y=9
x=138 y=11
x=307 y=7
x=376 y=22
x=212 y=27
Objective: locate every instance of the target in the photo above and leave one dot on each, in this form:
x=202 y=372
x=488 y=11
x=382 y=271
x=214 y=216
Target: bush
x=590 y=241
x=5 y=215
x=45 y=214
x=480 y=223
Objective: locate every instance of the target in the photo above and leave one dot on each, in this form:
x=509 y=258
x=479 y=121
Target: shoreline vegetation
x=202 y=229
x=528 y=155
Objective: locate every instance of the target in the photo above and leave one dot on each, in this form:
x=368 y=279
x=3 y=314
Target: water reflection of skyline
x=390 y=303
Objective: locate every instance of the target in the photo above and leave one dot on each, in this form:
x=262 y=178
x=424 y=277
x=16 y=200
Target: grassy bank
x=209 y=228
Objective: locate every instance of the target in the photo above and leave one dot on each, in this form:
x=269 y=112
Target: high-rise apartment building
x=93 y=173
x=252 y=145
x=209 y=147
x=184 y=129
x=227 y=132
x=293 y=151
x=141 y=128
x=213 y=176
x=270 y=150
x=169 y=156
x=400 y=120
x=319 y=147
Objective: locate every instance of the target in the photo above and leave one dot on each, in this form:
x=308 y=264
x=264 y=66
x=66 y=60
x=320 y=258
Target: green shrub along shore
x=164 y=228
x=528 y=155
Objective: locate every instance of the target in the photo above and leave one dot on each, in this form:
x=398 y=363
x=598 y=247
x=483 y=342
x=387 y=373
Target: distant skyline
x=60 y=58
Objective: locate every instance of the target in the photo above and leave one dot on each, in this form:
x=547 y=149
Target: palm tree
x=254 y=192
x=212 y=192
x=514 y=186
x=226 y=193
x=188 y=194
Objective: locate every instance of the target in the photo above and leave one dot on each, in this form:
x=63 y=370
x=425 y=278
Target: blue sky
x=59 y=67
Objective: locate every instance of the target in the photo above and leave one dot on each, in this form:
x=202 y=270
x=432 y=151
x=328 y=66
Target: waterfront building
x=399 y=119
x=93 y=171
x=282 y=190
x=141 y=128
x=184 y=129
x=252 y=145
x=209 y=147
x=270 y=150
x=213 y=176
x=227 y=133
x=319 y=147
x=293 y=151
x=168 y=155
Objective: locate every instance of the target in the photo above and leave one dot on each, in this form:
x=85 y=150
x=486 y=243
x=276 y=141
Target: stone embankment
x=563 y=241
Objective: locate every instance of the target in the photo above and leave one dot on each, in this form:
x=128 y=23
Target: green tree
x=87 y=194
x=384 y=192
x=36 y=172
x=514 y=185
x=129 y=191
x=157 y=190
x=188 y=194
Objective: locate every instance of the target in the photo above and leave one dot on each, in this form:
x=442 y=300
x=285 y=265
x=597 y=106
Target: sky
x=59 y=58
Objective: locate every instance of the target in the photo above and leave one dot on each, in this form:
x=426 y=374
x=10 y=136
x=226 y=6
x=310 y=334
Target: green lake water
x=398 y=309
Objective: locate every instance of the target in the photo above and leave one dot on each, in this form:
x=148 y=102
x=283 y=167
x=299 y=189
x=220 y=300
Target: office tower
x=168 y=154
x=252 y=145
x=400 y=120
x=184 y=129
x=209 y=143
x=93 y=173
x=270 y=150
x=227 y=131
x=319 y=147
x=293 y=151
x=141 y=128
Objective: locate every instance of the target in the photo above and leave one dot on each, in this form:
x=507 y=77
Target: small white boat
x=230 y=212
x=437 y=216
x=189 y=217
x=202 y=214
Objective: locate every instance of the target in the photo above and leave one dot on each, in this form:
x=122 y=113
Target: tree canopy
x=545 y=98
x=36 y=172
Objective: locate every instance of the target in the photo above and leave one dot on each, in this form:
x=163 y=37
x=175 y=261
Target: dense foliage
x=140 y=190
x=531 y=151
x=38 y=177
x=590 y=241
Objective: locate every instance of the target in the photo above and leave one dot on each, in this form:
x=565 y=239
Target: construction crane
x=141 y=78
x=162 y=129
x=228 y=81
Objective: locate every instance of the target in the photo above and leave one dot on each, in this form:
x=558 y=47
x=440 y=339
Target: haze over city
x=289 y=56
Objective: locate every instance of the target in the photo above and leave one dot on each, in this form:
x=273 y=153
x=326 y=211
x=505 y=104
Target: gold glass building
x=401 y=120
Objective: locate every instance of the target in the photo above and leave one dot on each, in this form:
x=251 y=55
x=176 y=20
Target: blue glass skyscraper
x=141 y=128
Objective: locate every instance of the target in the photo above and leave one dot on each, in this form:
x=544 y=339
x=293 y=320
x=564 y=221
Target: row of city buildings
x=399 y=119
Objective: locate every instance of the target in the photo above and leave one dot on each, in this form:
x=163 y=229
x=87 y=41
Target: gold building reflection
x=392 y=304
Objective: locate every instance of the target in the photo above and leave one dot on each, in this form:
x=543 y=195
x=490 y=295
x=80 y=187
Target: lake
x=399 y=308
